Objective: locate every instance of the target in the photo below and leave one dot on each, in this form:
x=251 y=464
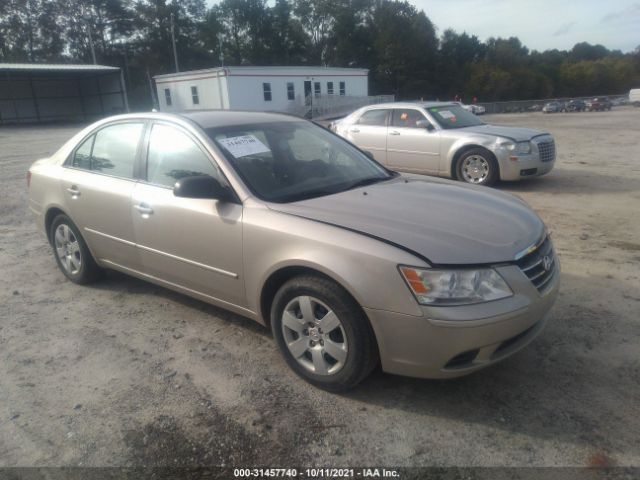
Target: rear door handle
x=394 y=133
x=144 y=209
x=73 y=191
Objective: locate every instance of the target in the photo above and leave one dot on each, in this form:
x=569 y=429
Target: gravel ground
x=124 y=373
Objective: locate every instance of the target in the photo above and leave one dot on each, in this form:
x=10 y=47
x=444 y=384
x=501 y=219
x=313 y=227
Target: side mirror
x=203 y=186
x=368 y=154
x=426 y=124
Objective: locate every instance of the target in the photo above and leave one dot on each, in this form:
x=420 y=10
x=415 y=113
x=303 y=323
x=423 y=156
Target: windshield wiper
x=366 y=181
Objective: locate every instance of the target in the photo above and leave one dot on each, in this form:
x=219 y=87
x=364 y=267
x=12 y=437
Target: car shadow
x=119 y=282
x=563 y=386
x=571 y=181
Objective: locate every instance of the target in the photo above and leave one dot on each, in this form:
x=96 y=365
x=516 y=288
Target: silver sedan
x=446 y=140
x=349 y=264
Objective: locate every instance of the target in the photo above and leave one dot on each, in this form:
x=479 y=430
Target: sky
x=539 y=24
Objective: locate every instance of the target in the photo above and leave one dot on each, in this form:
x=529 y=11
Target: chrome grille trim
x=547 y=150
x=532 y=265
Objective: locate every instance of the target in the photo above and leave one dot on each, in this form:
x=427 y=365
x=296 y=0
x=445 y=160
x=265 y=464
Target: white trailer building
x=284 y=89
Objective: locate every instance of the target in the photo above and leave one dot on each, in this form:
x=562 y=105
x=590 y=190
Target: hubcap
x=475 y=169
x=67 y=249
x=314 y=335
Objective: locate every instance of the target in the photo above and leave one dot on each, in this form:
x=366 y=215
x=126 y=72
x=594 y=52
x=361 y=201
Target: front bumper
x=453 y=341
x=524 y=166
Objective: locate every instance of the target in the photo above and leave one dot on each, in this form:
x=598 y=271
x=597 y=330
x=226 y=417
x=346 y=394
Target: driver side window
x=173 y=155
x=406 y=118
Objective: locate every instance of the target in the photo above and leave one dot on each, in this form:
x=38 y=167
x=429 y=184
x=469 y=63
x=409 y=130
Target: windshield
x=290 y=161
x=454 y=116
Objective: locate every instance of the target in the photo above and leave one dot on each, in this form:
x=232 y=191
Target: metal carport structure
x=31 y=93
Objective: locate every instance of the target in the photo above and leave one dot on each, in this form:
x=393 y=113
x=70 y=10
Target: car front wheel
x=323 y=333
x=71 y=252
x=477 y=166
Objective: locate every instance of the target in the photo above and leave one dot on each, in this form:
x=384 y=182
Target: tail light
x=28 y=178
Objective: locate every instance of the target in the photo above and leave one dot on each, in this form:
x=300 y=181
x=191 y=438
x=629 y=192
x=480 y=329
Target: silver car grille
x=547 y=150
x=540 y=265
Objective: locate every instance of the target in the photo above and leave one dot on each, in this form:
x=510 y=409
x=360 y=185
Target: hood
x=447 y=223
x=517 y=134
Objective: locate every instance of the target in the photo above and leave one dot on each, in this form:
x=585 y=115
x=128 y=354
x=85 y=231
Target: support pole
x=173 y=41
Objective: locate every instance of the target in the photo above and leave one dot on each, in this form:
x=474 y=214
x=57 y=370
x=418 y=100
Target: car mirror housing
x=426 y=124
x=203 y=186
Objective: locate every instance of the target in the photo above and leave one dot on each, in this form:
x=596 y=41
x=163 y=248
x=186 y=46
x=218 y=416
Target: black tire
x=362 y=353
x=493 y=170
x=88 y=270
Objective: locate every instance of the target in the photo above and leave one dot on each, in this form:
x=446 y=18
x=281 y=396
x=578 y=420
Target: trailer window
x=266 y=91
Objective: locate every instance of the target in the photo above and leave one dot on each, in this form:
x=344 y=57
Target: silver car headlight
x=517 y=147
x=455 y=287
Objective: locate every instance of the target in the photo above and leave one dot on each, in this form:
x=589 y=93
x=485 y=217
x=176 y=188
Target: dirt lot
x=127 y=373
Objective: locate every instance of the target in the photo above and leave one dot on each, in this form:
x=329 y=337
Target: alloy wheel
x=68 y=249
x=314 y=335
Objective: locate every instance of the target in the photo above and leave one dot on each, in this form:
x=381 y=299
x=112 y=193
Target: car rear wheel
x=323 y=333
x=478 y=167
x=71 y=252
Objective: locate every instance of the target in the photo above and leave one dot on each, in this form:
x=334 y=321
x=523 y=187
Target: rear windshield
x=454 y=116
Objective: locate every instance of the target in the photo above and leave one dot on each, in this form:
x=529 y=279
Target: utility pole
x=173 y=41
x=93 y=52
x=221 y=52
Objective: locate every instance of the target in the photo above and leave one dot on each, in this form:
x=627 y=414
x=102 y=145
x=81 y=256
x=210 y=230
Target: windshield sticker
x=434 y=109
x=447 y=114
x=243 y=146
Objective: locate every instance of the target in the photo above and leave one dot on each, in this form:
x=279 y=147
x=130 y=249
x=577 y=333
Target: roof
x=270 y=70
x=224 y=118
x=411 y=104
x=44 y=68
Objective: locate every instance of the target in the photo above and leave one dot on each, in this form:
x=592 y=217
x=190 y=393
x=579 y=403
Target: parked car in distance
x=279 y=220
x=634 y=97
x=443 y=139
x=599 y=104
x=552 y=107
x=475 y=109
x=575 y=106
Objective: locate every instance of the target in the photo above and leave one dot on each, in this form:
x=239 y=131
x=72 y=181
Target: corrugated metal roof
x=55 y=67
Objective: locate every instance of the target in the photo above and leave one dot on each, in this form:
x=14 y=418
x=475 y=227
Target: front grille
x=547 y=150
x=540 y=265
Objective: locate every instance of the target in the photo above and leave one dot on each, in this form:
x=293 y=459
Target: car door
x=98 y=182
x=369 y=132
x=411 y=147
x=193 y=243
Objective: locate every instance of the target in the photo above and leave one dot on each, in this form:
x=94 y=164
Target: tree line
x=402 y=48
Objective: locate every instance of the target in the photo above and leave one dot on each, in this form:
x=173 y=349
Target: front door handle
x=354 y=130
x=144 y=209
x=73 y=191
x=394 y=133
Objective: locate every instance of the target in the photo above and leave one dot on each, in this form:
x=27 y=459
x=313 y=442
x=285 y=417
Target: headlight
x=517 y=147
x=523 y=147
x=455 y=287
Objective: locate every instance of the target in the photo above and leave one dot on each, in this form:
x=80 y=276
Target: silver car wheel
x=314 y=335
x=475 y=169
x=68 y=249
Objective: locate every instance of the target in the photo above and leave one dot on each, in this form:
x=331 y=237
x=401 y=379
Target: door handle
x=73 y=191
x=144 y=209
x=394 y=133
x=354 y=130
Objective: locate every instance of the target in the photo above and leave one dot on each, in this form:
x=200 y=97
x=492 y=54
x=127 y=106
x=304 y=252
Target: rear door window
x=82 y=157
x=115 y=148
x=376 y=117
